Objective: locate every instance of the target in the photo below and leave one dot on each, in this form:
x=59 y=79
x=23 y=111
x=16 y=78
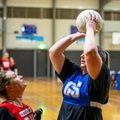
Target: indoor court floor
x=46 y=93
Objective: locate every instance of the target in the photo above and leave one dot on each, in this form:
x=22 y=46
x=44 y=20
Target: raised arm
x=56 y=51
x=16 y=71
x=92 y=58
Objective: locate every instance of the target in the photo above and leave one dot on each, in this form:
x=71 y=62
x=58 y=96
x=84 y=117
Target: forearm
x=60 y=46
x=56 y=51
x=16 y=71
x=90 y=46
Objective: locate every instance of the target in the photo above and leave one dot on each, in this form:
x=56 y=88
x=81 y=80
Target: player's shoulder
x=5 y=114
x=3 y=109
x=14 y=66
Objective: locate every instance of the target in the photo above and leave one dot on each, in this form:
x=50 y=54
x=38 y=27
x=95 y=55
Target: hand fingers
x=85 y=18
x=81 y=35
x=96 y=18
x=90 y=16
x=93 y=16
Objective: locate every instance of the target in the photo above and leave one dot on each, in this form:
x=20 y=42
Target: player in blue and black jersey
x=85 y=87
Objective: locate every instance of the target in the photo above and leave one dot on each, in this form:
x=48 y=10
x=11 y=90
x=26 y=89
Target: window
x=116 y=15
x=107 y=16
x=65 y=13
x=9 y=12
x=76 y=12
x=19 y=12
x=33 y=13
x=47 y=13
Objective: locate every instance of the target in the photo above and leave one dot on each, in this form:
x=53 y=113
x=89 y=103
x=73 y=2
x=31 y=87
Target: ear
x=8 y=88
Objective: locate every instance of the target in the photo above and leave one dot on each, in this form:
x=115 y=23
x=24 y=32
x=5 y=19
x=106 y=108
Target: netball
x=81 y=23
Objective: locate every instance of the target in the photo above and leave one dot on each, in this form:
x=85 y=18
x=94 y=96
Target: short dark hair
x=4 y=81
x=104 y=55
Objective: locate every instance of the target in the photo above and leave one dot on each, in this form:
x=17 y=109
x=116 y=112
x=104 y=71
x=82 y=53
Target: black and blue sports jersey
x=82 y=96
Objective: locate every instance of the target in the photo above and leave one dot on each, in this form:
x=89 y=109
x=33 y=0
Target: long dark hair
x=4 y=81
x=104 y=55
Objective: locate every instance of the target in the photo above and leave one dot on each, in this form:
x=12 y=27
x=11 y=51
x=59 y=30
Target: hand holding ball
x=81 y=23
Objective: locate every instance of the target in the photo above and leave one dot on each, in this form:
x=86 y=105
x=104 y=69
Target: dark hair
x=4 y=81
x=104 y=55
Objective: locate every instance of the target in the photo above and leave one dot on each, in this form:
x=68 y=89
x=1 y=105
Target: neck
x=84 y=72
x=5 y=59
x=16 y=99
x=18 y=102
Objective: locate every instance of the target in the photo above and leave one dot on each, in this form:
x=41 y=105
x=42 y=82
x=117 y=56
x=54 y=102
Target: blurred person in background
x=13 y=66
x=5 y=62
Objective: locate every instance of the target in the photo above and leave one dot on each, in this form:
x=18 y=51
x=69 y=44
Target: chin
x=25 y=85
x=83 y=67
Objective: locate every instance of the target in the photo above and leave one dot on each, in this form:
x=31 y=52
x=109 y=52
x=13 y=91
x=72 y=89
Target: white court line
x=117 y=100
x=40 y=103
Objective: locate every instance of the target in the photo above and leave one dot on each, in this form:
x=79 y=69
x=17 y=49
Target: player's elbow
x=51 y=53
x=90 y=52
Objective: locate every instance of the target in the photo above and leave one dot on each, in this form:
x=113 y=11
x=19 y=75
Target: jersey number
x=6 y=64
x=31 y=117
x=72 y=89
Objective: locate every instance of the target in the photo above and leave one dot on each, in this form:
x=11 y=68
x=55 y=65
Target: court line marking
x=40 y=103
x=113 y=99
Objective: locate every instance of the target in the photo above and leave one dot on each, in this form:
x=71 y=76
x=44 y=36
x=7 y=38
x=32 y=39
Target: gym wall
x=44 y=25
x=16 y=19
x=39 y=12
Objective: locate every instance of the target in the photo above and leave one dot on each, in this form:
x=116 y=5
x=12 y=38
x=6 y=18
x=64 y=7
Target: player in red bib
x=5 y=62
x=12 y=87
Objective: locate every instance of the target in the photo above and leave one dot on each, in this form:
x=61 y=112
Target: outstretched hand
x=91 y=22
x=78 y=35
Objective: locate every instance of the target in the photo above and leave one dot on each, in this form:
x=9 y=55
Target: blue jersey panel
x=75 y=90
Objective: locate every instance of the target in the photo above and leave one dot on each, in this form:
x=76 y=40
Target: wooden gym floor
x=46 y=93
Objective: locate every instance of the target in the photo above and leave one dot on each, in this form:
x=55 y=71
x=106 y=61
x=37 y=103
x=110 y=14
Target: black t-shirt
x=5 y=114
x=97 y=91
x=13 y=67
